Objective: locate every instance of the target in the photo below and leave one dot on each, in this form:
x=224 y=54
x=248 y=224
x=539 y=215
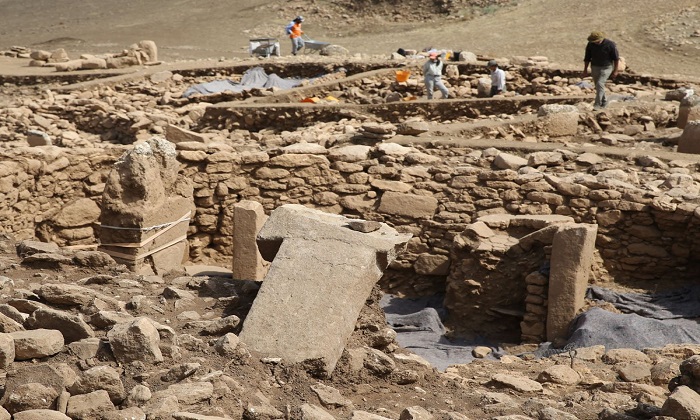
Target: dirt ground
x=654 y=37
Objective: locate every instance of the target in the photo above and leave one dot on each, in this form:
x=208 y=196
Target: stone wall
x=646 y=212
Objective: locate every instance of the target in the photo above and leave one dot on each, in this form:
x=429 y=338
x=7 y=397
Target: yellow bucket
x=402 y=75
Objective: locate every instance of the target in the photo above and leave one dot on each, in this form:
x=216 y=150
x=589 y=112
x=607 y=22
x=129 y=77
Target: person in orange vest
x=294 y=31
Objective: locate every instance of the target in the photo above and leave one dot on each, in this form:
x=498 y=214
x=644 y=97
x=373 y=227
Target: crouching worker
x=432 y=75
x=294 y=31
x=498 y=79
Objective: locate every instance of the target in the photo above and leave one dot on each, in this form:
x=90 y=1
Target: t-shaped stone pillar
x=146 y=208
x=321 y=275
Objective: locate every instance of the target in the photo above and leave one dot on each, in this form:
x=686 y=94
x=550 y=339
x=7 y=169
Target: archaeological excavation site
x=315 y=239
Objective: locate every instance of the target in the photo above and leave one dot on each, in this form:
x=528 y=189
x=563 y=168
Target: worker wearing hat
x=294 y=31
x=498 y=78
x=432 y=75
x=602 y=56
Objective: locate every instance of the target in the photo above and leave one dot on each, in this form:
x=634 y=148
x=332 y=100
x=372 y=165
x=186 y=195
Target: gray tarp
x=650 y=320
x=254 y=78
x=653 y=320
x=419 y=329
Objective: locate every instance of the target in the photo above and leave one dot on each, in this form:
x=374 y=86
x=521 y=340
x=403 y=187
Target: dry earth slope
x=654 y=36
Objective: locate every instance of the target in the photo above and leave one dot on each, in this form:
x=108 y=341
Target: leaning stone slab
x=146 y=206
x=37 y=343
x=570 y=265
x=322 y=273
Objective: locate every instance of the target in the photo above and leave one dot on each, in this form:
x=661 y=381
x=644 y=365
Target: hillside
x=655 y=37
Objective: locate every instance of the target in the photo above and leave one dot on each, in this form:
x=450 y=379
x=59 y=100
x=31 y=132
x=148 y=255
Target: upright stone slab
x=321 y=275
x=690 y=139
x=248 y=218
x=689 y=110
x=146 y=206
x=570 y=266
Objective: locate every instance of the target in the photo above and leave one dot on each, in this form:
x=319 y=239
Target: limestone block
x=571 y=260
x=56 y=376
x=683 y=403
x=100 y=378
x=151 y=50
x=689 y=110
x=58 y=56
x=71 y=326
x=353 y=153
x=38 y=138
x=37 y=343
x=483 y=87
x=7 y=351
x=189 y=393
x=131 y=413
x=314 y=412
x=80 y=212
x=94 y=63
x=175 y=134
x=689 y=142
x=89 y=406
x=122 y=62
x=411 y=205
x=146 y=206
x=508 y=161
x=467 y=56
x=135 y=340
x=31 y=396
x=71 y=65
x=557 y=120
x=40 y=55
x=41 y=414
x=320 y=277
x=248 y=218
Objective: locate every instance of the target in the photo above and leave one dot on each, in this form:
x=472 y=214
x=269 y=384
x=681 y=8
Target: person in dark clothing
x=603 y=57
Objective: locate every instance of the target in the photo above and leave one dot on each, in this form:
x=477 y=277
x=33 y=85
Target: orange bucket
x=402 y=75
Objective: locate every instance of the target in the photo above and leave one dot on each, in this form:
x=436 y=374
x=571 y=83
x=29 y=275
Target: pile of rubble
x=141 y=53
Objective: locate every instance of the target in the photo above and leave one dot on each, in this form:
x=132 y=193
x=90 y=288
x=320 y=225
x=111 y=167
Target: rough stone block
x=689 y=141
x=689 y=110
x=37 y=343
x=320 y=277
x=557 y=120
x=571 y=260
x=410 y=205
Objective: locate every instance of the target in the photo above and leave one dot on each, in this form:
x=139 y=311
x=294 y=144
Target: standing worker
x=432 y=75
x=602 y=55
x=294 y=31
x=498 y=78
